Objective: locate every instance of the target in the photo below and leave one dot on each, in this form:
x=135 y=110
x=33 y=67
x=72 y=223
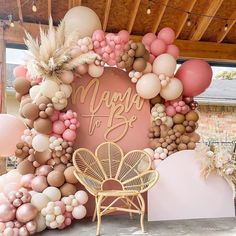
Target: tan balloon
x=67 y=189
x=192 y=116
x=81 y=21
x=43 y=126
x=42 y=99
x=69 y=175
x=56 y=178
x=139 y=64
x=21 y=85
x=42 y=157
x=26 y=167
x=60 y=167
x=30 y=111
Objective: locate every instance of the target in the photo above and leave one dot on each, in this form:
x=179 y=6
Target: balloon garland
x=43 y=193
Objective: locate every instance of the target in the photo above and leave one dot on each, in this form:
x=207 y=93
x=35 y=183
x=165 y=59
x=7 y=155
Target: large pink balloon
x=167 y=35
x=11 y=129
x=195 y=75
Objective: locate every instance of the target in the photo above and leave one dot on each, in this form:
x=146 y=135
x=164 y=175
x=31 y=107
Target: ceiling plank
x=133 y=15
x=188 y=49
x=185 y=17
x=159 y=16
x=203 y=22
x=70 y=3
x=49 y=8
x=19 y=10
x=106 y=15
x=224 y=32
x=76 y=3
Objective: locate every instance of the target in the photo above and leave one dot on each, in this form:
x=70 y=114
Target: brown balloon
x=60 y=167
x=56 y=178
x=156 y=100
x=21 y=85
x=180 y=128
x=140 y=50
x=69 y=175
x=67 y=190
x=191 y=145
x=192 y=116
x=18 y=97
x=42 y=157
x=30 y=111
x=43 y=126
x=26 y=167
x=139 y=64
x=182 y=146
x=178 y=118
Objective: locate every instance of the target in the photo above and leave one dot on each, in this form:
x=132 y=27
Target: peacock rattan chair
x=132 y=172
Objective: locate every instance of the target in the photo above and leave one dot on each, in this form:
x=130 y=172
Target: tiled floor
x=121 y=225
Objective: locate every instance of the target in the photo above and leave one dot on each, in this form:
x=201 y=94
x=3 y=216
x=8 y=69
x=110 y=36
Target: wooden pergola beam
x=204 y=21
x=185 y=17
x=49 y=8
x=19 y=10
x=224 y=32
x=159 y=16
x=133 y=16
x=188 y=49
x=106 y=15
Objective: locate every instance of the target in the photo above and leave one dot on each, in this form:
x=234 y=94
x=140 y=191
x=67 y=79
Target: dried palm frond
x=50 y=56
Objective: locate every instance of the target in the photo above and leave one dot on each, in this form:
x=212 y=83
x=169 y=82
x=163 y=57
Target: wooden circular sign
x=109 y=109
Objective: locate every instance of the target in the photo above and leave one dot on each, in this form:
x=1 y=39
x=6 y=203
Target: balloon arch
x=43 y=192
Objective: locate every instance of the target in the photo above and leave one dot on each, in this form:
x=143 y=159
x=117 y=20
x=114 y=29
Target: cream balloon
x=39 y=200
x=95 y=71
x=49 y=88
x=34 y=91
x=52 y=193
x=67 y=89
x=164 y=64
x=173 y=89
x=148 y=86
x=40 y=142
x=149 y=151
x=40 y=222
x=81 y=21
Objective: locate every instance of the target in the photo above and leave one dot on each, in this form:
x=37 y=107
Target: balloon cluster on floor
x=43 y=191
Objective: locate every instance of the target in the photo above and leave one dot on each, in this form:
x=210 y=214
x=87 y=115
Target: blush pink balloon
x=195 y=75
x=31 y=226
x=26 y=212
x=151 y=58
x=58 y=127
x=7 y=212
x=124 y=36
x=69 y=135
x=43 y=170
x=3 y=198
x=173 y=50
x=12 y=129
x=82 y=69
x=26 y=180
x=148 y=39
x=158 y=47
x=170 y=111
x=167 y=35
x=9 y=187
x=61 y=205
x=39 y=183
x=19 y=71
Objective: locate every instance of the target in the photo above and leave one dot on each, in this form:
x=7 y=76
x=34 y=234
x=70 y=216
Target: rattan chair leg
x=99 y=214
x=129 y=207
x=142 y=212
x=95 y=209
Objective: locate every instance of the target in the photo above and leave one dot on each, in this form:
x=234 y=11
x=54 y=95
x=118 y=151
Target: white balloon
x=53 y=193
x=60 y=106
x=164 y=64
x=34 y=91
x=173 y=89
x=13 y=176
x=79 y=212
x=40 y=222
x=169 y=121
x=95 y=71
x=49 y=88
x=67 y=89
x=39 y=200
x=40 y=142
x=148 y=86
x=82 y=21
x=82 y=197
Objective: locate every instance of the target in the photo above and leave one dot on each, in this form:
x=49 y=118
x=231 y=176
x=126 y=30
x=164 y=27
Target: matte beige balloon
x=173 y=89
x=56 y=178
x=82 y=21
x=67 y=189
x=69 y=175
x=42 y=157
x=25 y=167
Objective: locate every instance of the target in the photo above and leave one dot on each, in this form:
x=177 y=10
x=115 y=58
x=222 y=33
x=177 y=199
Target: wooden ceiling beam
x=224 y=32
x=49 y=8
x=159 y=16
x=204 y=21
x=188 y=49
x=185 y=17
x=19 y=10
x=106 y=15
x=133 y=16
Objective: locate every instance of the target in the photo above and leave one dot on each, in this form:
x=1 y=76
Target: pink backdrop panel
x=181 y=193
x=109 y=109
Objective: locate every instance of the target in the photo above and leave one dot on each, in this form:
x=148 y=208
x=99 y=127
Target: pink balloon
x=61 y=205
x=167 y=35
x=19 y=71
x=158 y=47
x=148 y=39
x=10 y=187
x=82 y=69
x=26 y=212
x=3 y=198
x=58 y=127
x=7 y=212
x=12 y=129
x=124 y=36
x=151 y=58
x=69 y=135
x=173 y=50
x=39 y=183
x=170 y=111
x=43 y=170
x=26 y=180
x=195 y=75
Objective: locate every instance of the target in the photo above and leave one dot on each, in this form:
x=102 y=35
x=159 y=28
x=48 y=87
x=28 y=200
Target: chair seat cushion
x=117 y=193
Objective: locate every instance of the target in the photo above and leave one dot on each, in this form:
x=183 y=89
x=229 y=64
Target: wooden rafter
x=106 y=15
x=204 y=22
x=133 y=15
x=49 y=8
x=224 y=32
x=185 y=17
x=19 y=10
x=159 y=16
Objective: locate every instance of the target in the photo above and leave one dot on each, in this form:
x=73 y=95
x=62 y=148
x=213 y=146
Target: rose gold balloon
x=39 y=183
x=26 y=212
x=7 y=212
x=23 y=231
x=44 y=170
x=31 y=226
x=26 y=180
